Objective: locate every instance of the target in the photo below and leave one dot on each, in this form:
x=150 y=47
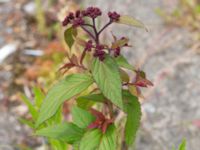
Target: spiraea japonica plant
x=100 y=87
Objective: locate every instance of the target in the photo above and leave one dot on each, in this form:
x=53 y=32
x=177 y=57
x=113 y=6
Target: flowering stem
x=89 y=25
x=88 y=32
x=82 y=56
x=110 y=22
x=95 y=30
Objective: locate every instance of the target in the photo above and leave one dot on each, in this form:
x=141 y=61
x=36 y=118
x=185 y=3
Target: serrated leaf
x=134 y=90
x=133 y=110
x=91 y=140
x=182 y=145
x=108 y=140
x=81 y=117
x=66 y=132
x=68 y=35
x=128 y=20
x=56 y=118
x=30 y=106
x=106 y=74
x=63 y=90
x=39 y=96
x=57 y=145
x=122 y=62
x=87 y=101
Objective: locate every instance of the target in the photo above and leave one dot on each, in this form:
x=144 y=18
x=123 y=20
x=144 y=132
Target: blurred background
x=32 y=49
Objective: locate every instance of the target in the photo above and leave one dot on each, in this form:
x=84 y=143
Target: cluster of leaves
x=102 y=79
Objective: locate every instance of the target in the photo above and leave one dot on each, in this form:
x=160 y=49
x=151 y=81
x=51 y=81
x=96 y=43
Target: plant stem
x=110 y=108
x=124 y=146
x=81 y=66
x=82 y=56
x=89 y=25
x=88 y=32
x=95 y=31
x=110 y=22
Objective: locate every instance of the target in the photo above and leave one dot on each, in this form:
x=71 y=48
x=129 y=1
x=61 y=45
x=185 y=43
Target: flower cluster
x=74 y=19
x=114 y=16
x=92 y=12
x=89 y=46
x=99 y=52
x=77 y=19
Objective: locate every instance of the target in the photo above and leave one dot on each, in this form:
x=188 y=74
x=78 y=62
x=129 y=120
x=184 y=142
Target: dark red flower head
x=114 y=16
x=78 y=13
x=89 y=45
x=99 y=52
x=92 y=12
x=68 y=19
x=71 y=16
x=77 y=22
x=117 y=51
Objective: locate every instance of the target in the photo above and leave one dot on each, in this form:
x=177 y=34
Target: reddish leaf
x=101 y=122
x=141 y=80
x=94 y=124
x=106 y=124
x=67 y=66
x=97 y=114
x=74 y=59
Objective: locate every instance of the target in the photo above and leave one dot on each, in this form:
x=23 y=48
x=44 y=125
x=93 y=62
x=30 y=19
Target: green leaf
x=57 y=145
x=108 y=140
x=63 y=90
x=91 y=140
x=183 y=145
x=76 y=145
x=87 y=101
x=81 y=117
x=124 y=76
x=56 y=118
x=128 y=20
x=69 y=34
x=39 y=96
x=133 y=110
x=122 y=62
x=30 y=106
x=27 y=122
x=66 y=132
x=106 y=74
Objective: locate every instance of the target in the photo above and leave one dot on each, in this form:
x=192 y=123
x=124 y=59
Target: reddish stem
x=88 y=32
x=95 y=31
x=110 y=22
x=82 y=56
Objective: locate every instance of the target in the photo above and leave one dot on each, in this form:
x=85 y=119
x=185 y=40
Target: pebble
x=30 y=8
x=7 y=50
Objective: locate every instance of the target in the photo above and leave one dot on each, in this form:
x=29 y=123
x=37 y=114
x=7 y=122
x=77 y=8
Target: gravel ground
x=165 y=54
